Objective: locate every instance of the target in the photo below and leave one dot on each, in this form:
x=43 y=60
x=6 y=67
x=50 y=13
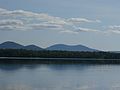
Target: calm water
x=59 y=77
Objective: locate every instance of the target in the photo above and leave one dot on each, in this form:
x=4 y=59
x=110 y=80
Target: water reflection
x=59 y=77
x=59 y=67
x=25 y=87
x=13 y=67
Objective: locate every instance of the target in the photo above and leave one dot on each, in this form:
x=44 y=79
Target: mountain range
x=63 y=47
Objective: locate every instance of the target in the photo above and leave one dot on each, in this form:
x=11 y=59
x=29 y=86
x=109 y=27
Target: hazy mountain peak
x=32 y=47
x=9 y=42
x=10 y=45
x=13 y=45
x=69 y=47
x=63 y=47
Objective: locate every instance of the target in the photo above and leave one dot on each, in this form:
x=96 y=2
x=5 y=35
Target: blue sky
x=93 y=23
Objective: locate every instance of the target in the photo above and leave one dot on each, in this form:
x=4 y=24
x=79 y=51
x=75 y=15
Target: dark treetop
x=57 y=54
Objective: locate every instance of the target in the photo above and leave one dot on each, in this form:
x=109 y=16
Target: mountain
x=32 y=47
x=13 y=45
x=10 y=45
x=70 y=48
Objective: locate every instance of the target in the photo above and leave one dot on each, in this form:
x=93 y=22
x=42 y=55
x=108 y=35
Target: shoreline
x=31 y=60
x=53 y=58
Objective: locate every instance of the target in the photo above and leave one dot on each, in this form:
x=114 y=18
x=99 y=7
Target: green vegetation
x=60 y=57
x=57 y=54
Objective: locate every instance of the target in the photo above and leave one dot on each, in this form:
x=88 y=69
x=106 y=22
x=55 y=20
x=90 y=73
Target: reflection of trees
x=68 y=66
x=10 y=67
x=56 y=57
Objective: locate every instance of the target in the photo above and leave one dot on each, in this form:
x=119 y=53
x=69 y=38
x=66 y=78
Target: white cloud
x=45 y=26
x=26 y=20
x=69 y=31
x=11 y=22
x=42 y=17
x=114 y=29
x=80 y=29
x=82 y=20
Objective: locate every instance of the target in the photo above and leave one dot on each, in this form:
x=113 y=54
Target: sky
x=93 y=23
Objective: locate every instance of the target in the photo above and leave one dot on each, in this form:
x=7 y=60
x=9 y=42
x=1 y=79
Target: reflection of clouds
x=28 y=87
x=57 y=67
x=84 y=87
x=59 y=77
x=15 y=87
x=15 y=67
x=64 y=67
x=115 y=87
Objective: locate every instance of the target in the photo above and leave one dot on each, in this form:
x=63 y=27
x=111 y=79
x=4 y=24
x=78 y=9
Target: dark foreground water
x=59 y=77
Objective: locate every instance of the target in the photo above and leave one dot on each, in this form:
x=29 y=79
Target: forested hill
x=57 y=54
x=62 y=47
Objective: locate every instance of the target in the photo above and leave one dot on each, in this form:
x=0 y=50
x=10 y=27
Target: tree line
x=57 y=54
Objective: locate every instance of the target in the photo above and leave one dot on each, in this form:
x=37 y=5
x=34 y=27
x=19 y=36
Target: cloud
x=46 y=26
x=82 y=20
x=26 y=20
x=114 y=29
x=80 y=29
x=11 y=24
x=21 y=14
x=69 y=31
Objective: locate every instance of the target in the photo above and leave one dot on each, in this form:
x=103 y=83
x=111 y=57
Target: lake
x=59 y=77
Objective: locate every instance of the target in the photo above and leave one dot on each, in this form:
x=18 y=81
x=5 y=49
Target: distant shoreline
x=32 y=60
x=53 y=58
x=57 y=57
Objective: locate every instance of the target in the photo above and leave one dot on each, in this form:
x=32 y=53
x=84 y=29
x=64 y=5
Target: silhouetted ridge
x=62 y=47
x=70 y=48
x=13 y=45
x=32 y=47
